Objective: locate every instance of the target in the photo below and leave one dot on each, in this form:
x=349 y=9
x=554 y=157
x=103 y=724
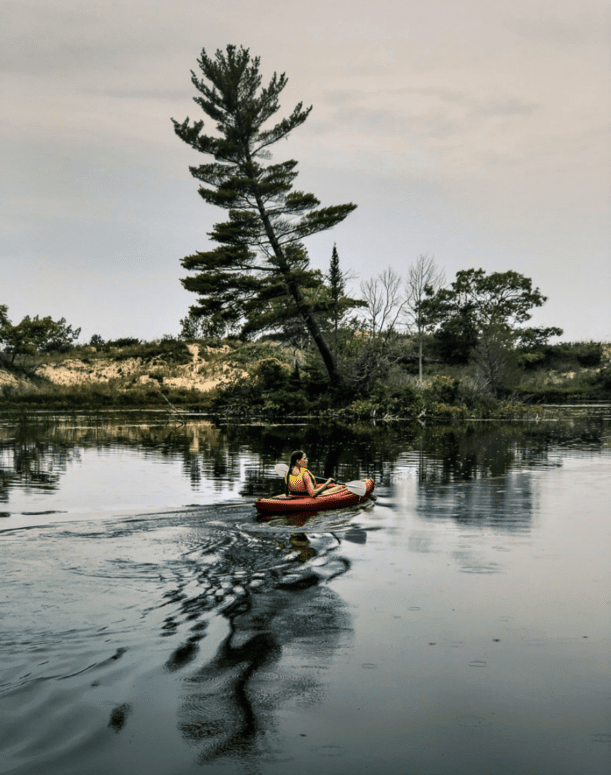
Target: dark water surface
x=151 y=623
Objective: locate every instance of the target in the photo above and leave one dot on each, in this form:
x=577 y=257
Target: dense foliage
x=35 y=335
x=480 y=318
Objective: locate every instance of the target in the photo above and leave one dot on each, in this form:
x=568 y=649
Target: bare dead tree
x=385 y=302
x=422 y=275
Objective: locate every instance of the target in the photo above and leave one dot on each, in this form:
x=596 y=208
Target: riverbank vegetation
x=268 y=335
x=277 y=379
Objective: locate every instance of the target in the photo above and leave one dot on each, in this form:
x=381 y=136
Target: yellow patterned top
x=302 y=484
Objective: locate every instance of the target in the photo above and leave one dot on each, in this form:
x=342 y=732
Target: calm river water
x=151 y=623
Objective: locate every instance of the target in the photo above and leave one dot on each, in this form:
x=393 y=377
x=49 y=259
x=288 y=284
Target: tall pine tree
x=260 y=251
x=337 y=287
x=339 y=303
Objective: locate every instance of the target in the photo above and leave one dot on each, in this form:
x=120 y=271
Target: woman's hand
x=323 y=487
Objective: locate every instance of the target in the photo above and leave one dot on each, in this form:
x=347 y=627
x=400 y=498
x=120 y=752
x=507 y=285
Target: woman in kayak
x=299 y=481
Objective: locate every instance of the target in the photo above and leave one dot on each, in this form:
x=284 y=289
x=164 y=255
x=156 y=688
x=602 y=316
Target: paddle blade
x=358 y=488
x=281 y=468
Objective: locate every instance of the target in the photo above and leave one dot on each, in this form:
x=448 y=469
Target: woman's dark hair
x=295 y=458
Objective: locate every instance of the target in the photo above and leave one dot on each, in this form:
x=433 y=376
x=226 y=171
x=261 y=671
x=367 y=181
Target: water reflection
x=227 y=637
x=32 y=465
x=504 y=503
x=445 y=455
x=38 y=451
x=477 y=475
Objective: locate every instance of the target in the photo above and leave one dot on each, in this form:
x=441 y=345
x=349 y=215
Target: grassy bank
x=272 y=380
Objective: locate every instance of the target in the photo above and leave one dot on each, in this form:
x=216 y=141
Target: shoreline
x=261 y=380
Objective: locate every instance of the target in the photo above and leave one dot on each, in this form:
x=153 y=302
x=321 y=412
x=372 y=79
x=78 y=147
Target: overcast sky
x=473 y=130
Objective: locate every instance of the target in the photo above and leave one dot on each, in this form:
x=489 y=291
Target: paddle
x=358 y=488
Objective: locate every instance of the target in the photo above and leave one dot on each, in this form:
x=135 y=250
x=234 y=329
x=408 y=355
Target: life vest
x=297 y=485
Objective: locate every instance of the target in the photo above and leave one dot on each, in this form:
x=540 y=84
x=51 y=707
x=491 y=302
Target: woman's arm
x=313 y=491
x=310 y=485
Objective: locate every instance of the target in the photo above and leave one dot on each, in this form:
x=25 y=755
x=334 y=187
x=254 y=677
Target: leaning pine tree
x=260 y=242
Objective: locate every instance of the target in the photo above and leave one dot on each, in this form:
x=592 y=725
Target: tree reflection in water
x=36 y=449
x=230 y=703
x=284 y=627
x=31 y=460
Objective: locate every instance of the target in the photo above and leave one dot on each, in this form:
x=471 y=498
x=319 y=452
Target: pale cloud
x=560 y=24
x=474 y=129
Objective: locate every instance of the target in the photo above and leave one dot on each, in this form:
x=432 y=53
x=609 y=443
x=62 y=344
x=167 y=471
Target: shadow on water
x=230 y=703
x=270 y=589
x=168 y=580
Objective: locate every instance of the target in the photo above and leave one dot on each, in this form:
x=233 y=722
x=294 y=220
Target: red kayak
x=285 y=504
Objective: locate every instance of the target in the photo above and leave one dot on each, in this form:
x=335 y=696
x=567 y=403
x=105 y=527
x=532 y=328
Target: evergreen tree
x=337 y=283
x=260 y=252
x=338 y=303
x=337 y=286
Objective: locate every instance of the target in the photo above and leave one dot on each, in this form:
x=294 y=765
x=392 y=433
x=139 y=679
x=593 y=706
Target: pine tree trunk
x=335 y=377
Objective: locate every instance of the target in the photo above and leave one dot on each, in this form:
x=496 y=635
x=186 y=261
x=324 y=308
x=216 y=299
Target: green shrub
x=603 y=378
x=285 y=403
x=530 y=360
x=567 y=356
x=126 y=341
x=553 y=394
x=270 y=374
x=441 y=410
x=588 y=354
x=364 y=407
x=388 y=401
x=443 y=389
x=169 y=350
